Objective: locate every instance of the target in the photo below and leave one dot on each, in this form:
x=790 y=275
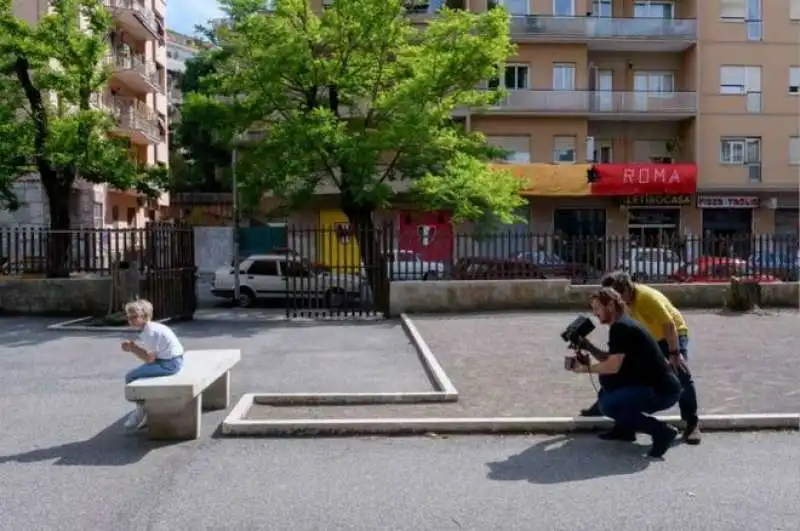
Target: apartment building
x=136 y=97
x=180 y=48
x=687 y=113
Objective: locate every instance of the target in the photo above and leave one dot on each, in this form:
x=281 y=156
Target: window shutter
x=794 y=150
x=732 y=8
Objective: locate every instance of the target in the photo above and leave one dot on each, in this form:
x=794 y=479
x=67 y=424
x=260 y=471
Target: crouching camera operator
x=636 y=378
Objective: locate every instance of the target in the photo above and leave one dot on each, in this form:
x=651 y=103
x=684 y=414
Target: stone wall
x=492 y=295
x=79 y=297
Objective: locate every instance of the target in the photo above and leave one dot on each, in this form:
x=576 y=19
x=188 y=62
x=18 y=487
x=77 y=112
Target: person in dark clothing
x=637 y=380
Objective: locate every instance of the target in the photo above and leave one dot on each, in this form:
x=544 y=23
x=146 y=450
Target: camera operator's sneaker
x=592 y=411
x=662 y=442
x=691 y=433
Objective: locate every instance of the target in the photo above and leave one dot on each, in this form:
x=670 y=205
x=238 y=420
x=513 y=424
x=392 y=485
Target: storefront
x=655 y=221
x=727 y=223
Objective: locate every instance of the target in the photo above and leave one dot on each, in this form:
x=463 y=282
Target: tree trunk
x=59 y=239
x=372 y=247
x=742 y=296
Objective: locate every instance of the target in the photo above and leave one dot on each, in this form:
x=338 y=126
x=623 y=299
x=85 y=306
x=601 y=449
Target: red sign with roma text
x=429 y=234
x=644 y=179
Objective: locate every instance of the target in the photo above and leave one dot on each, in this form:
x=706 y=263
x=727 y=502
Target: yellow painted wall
x=337 y=246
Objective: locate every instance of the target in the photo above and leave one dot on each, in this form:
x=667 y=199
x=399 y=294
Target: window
x=601 y=8
x=654 y=82
x=515 y=7
x=794 y=9
x=648 y=9
x=263 y=267
x=564 y=149
x=517 y=148
x=732 y=9
x=114 y=213
x=563 y=76
x=739 y=79
x=564 y=8
x=516 y=78
x=794 y=150
x=97 y=213
x=131 y=216
x=794 y=79
x=745 y=150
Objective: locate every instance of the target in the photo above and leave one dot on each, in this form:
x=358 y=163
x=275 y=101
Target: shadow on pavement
x=110 y=447
x=565 y=459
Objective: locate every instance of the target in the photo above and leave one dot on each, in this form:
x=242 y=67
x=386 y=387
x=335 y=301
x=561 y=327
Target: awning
x=551 y=179
x=644 y=179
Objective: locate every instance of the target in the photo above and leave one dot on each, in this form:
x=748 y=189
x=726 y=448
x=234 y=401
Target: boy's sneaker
x=136 y=419
x=662 y=442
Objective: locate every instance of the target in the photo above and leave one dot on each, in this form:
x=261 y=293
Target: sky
x=184 y=15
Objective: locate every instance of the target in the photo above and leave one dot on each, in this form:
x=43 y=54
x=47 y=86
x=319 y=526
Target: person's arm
x=660 y=314
x=610 y=365
x=141 y=353
x=596 y=352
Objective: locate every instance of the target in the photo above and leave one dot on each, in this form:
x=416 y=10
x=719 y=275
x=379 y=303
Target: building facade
x=180 y=48
x=137 y=98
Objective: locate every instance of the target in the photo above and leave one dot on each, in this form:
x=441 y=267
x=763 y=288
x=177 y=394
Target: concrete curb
x=348 y=399
x=235 y=426
x=72 y=325
x=435 y=372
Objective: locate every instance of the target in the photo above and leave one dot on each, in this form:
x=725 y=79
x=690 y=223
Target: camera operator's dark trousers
x=631 y=408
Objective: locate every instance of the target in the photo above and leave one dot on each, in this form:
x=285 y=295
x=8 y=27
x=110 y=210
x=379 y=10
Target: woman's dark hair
x=606 y=296
x=619 y=281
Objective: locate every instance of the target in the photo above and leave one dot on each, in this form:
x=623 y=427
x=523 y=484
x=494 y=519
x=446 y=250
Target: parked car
x=712 y=269
x=553 y=266
x=273 y=276
x=478 y=268
x=407 y=265
x=783 y=265
x=650 y=263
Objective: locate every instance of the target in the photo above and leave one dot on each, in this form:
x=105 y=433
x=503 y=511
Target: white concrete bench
x=174 y=403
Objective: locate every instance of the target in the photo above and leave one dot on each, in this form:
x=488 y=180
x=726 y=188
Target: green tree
x=50 y=74
x=208 y=154
x=358 y=97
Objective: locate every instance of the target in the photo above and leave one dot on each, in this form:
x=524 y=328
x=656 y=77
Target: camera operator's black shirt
x=644 y=363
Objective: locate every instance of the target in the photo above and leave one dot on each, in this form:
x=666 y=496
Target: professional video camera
x=574 y=334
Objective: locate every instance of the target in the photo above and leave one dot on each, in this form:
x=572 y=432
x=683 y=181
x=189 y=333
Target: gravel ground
x=511 y=365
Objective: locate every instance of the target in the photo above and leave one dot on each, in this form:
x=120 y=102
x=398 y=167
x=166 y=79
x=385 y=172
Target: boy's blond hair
x=140 y=308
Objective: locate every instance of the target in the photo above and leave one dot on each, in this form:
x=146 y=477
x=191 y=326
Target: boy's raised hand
x=127 y=346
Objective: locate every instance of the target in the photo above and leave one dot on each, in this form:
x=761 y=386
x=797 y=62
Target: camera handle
x=580 y=354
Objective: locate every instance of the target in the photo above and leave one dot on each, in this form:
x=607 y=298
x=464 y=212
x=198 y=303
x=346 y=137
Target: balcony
x=134 y=15
x=133 y=118
x=609 y=34
x=596 y=104
x=135 y=72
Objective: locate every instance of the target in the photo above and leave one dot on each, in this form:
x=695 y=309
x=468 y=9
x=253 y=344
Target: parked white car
x=407 y=265
x=650 y=263
x=273 y=276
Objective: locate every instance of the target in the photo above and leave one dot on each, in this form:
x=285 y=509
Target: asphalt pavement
x=732 y=482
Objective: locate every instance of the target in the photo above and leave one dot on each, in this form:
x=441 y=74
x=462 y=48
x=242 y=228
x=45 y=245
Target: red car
x=709 y=269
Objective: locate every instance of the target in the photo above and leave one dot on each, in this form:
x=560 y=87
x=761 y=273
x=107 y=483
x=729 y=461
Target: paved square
x=511 y=365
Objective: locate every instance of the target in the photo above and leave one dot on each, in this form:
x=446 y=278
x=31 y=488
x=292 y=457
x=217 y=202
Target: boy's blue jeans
x=688 y=400
x=157 y=368
x=631 y=407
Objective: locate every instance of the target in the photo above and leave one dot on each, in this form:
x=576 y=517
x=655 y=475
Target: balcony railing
x=603 y=28
x=138 y=8
x=125 y=62
x=598 y=102
x=131 y=115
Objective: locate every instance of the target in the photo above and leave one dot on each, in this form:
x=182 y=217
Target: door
x=337 y=246
x=603 y=152
x=263 y=277
x=604 y=85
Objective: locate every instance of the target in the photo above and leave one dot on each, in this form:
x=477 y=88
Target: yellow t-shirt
x=653 y=309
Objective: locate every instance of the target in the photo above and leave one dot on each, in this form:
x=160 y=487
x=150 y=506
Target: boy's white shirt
x=161 y=340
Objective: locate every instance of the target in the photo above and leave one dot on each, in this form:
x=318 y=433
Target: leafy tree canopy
x=357 y=96
x=50 y=74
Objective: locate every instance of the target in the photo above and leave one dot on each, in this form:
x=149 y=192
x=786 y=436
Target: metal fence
x=163 y=253
x=581 y=258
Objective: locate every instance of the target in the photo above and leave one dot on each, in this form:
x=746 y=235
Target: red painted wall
x=429 y=234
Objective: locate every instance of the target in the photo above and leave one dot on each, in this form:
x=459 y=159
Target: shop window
x=654 y=227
